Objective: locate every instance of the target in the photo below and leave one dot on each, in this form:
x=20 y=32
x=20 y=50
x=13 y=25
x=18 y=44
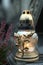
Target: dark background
x=39 y=26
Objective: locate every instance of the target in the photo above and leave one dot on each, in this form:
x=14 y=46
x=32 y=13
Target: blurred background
x=10 y=11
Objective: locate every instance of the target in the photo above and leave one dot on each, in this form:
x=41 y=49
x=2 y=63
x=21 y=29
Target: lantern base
x=27 y=56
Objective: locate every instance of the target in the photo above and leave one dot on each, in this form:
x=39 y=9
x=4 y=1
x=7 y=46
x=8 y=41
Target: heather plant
x=4 y=45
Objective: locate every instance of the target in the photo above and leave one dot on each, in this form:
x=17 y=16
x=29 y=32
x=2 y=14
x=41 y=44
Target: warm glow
x=26 y=45
x=29 y=45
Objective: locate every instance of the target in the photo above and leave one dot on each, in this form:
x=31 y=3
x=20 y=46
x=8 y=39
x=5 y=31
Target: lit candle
x=29 y=46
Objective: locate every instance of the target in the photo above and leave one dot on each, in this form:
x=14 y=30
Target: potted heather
x=4 y=45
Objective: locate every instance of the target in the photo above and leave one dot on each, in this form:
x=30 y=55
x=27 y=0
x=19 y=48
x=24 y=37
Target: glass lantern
x=26 y=39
